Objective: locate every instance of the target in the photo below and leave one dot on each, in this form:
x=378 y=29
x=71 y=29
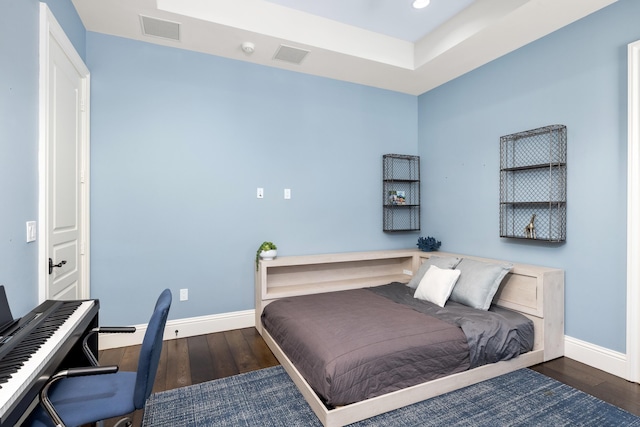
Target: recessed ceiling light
x=419 y=4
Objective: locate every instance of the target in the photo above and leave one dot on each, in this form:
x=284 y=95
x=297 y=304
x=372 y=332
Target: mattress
x=357 y=344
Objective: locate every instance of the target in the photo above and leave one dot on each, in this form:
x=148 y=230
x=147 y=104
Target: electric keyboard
x=41 y=343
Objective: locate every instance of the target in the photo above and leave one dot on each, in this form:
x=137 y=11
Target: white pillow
x=436 y=285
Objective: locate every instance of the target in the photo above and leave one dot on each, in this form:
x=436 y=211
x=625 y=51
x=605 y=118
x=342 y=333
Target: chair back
x=151 y=349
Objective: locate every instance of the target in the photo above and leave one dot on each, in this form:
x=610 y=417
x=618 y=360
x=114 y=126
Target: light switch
x=31 y=231
x=260 y=193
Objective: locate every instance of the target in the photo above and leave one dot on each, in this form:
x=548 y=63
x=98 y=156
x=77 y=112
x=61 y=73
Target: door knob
x=51 y=265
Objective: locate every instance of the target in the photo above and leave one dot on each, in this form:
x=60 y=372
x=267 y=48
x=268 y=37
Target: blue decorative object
x=428 y=244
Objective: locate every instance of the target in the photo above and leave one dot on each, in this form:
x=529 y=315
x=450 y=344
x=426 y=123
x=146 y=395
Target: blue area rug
x=269 y=398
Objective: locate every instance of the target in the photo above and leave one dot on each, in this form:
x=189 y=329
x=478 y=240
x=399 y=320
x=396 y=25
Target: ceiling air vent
x=160 y=28
x=290 y=54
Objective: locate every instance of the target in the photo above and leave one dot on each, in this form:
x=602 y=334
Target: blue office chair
x=79 y=396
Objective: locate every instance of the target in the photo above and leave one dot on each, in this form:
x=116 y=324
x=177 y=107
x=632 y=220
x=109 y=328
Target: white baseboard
x=181 y=328
x=601 y=358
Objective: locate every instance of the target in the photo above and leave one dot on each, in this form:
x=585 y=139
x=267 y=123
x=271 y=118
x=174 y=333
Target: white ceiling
x=380 y=43
x=394 y=18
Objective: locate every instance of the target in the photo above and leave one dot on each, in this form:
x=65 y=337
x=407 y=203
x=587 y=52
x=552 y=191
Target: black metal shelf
x=533 y=182
x=527 y=238
x=530 y=167
x=559 y=202
x=400 y=192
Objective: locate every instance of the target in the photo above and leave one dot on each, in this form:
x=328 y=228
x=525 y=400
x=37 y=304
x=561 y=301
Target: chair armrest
x=93 y=359
x=116 y=329
x=90 y=370
x=72 y=372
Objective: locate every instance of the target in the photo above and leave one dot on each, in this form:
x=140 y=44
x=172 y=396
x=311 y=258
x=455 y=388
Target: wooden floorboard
x=200 y=359
x=178 y=364
x=111 y=357
x=225 y=365
x=600 y=384
x=160 y=383
x=260 y=349
x=243 y=355
x=193 y=360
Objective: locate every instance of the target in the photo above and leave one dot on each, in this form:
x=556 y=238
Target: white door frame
x=49 y=27
x=633 y=215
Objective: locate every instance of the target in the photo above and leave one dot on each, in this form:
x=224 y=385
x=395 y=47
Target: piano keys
x=44 y=341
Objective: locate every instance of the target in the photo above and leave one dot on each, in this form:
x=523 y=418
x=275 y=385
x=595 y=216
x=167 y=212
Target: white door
x=64 y=165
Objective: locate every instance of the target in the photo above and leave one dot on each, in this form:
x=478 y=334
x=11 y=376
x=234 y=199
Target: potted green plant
x=266 y=251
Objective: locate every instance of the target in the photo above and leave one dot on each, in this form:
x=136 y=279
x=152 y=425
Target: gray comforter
x=494 y=335
x=358 y=344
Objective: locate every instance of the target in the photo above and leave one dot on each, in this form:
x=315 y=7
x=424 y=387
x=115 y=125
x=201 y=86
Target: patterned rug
x=269 y=398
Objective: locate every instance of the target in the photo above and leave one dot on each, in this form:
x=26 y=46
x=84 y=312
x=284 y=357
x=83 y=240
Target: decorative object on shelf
x=533 y=184
x=530 y=229
x=266 y=251
x=428 y=244
x=400 y=192
x=397 y=197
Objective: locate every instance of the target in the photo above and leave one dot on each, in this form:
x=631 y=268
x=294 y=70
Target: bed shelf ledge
x=339 y=285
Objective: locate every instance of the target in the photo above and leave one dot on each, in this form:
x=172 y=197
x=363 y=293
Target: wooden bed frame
x=536 y=292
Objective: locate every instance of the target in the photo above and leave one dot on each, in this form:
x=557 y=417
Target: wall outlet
x=184 y=294
x=287 y=193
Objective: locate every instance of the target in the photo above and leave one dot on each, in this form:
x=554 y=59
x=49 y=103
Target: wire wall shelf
x=400 y=192
x=533 y=184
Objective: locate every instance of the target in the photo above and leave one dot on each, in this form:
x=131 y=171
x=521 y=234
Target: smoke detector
x=248 y=47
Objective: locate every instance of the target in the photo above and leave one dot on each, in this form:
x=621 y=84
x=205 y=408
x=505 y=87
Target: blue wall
x=180 y=142
x=68 y=18
x=18 y=150
x=19 y=23
x=576 y=77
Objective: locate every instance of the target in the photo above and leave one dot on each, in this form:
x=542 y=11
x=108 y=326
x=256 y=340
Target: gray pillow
x=478 y=282
x=439 y=261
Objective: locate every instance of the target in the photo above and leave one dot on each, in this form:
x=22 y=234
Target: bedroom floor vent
x=293 y=55
x=160 y=28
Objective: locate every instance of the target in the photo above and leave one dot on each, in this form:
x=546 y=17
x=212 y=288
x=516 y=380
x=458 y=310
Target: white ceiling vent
x=160 y=28
x=290 y=54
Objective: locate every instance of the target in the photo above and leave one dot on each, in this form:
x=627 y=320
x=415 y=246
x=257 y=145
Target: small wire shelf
x=400 y=192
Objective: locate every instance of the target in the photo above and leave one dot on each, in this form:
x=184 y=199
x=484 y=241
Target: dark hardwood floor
x=187 y=361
